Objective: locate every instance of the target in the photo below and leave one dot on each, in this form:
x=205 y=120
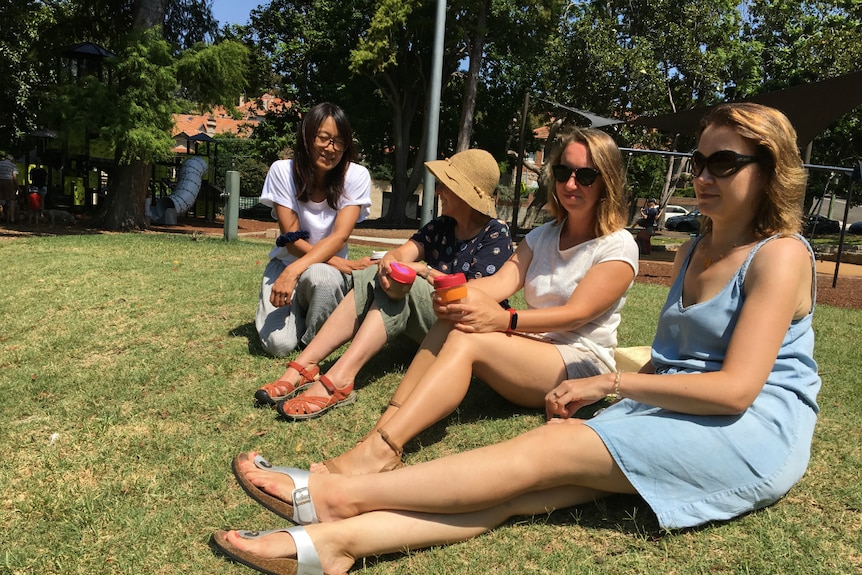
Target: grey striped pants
x=319 y=290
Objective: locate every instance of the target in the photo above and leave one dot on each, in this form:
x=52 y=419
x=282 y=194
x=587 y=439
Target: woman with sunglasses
x=575 y=271
x=317 y=197
x=718 y=424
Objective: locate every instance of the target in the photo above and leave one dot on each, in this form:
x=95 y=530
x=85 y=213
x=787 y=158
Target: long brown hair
x=303 y=163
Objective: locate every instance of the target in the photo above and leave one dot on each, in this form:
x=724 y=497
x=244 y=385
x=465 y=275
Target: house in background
x=219 y=121
x=195 y=135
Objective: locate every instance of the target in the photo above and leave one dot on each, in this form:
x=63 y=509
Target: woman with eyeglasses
x=317 y=197
x=575 y=271
x=719 y=423
x=393 y=297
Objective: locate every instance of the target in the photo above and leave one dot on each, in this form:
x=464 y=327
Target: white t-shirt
x=317 y=218
x=554 y=274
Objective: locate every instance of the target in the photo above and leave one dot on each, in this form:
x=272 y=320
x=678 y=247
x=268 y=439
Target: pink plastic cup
x=401 y=279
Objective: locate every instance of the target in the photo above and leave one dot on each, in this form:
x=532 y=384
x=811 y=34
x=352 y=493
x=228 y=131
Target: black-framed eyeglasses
x=584 y=176
x=323 y=140
x=721 y=164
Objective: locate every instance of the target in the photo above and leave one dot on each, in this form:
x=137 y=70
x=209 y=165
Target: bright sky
x=234 y=11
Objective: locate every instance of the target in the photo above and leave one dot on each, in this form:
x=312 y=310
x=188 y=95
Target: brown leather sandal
x=391 y=403
x=333 y=467
x=397 y=449
x=272 y=393
x=298 y=408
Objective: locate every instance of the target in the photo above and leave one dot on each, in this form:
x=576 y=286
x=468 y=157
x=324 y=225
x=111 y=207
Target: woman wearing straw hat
x=466 y=238
x=575 y=272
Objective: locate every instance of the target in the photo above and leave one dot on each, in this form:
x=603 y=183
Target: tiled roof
x=219 y=121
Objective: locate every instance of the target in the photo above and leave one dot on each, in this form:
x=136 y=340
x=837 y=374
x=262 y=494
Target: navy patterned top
x=477 y=257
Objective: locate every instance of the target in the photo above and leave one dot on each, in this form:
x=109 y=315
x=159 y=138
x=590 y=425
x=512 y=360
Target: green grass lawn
x=127 y=368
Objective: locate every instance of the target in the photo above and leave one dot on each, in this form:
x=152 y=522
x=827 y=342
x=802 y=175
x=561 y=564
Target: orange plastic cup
x=450 y=288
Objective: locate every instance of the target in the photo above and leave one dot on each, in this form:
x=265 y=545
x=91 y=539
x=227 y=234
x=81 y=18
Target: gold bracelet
x=615 y=395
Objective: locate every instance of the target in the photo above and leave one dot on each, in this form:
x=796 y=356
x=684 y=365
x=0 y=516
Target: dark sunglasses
x=721 y=164
x=584 y=176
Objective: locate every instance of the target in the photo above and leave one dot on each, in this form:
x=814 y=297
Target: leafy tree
x=188 y=22
x=623 y=58
x=22 y=69
x=132 y=110
x=808 y=41
x=238 y=154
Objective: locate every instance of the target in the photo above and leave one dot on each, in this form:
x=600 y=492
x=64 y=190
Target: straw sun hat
x=472 y=175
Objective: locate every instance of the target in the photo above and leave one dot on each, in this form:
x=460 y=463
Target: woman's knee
x=322 y=274
x=277 y=345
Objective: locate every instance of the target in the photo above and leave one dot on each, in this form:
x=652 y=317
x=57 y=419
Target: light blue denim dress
x=694 y=469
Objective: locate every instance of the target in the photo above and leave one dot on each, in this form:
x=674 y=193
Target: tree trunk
x=468 y=103
x=123 y=209
x=127 y=187
x=149 y=13
x=405 y=180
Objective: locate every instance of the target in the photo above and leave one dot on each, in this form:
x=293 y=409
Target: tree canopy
x=615 y=58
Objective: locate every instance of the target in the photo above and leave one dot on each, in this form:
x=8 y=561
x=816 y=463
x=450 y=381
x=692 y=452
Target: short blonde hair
x=780 y=211
x=612 y=213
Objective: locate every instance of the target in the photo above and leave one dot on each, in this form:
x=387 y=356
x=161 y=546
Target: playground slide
x=183 y=197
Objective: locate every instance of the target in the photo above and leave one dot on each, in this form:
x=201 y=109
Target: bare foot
x=372 y=455
x=281 y=545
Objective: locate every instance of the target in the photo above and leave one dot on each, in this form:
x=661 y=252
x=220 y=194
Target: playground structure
x=77 y=171
x=189 y=181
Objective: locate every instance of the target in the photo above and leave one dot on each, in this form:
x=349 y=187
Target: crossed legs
x=438 y=379
x=554 y=466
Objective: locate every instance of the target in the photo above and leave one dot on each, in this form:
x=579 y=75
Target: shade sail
x=811 y=108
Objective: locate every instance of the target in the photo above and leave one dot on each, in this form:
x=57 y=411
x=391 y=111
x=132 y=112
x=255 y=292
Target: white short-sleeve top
x=317 y=218
x=554 y=274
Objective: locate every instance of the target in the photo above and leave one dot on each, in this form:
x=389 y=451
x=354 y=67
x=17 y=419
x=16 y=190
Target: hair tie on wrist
x=290 y=237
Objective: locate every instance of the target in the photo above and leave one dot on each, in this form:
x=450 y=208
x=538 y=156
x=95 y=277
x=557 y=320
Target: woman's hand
x=383 y=267
x=573 y=394
x=347 y=266
x=282 y=289
x=476 y=313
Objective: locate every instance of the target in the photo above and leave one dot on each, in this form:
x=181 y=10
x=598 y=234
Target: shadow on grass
x=249 y=332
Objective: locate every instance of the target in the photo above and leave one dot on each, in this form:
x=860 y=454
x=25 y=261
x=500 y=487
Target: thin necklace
x=708 y=261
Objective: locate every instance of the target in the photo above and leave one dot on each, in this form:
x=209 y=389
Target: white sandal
x=300 y=510
x=307 y=560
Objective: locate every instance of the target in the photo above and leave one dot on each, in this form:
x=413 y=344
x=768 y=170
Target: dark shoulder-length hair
x=612 y=212
x=303 y=156
x=780 y=208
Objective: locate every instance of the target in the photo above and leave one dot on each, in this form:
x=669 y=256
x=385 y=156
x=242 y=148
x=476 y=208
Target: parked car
x=670 y=211
x=689 y=222
x=818 y=224
x=855 y=228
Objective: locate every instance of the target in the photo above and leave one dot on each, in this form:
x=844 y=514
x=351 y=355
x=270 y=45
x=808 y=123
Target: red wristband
x=513 y=320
